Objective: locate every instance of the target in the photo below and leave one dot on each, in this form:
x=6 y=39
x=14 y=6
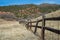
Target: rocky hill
x=30 y=10
x=7 y=15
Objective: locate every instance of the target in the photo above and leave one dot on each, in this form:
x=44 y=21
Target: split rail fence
x=43 y=27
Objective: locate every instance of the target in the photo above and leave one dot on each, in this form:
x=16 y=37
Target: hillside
x=49 y=15
x=50 y=24
x=30 y=10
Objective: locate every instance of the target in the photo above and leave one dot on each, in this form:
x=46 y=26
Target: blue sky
x=19 y=2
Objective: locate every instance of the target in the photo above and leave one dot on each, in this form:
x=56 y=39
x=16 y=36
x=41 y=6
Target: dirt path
x=15 y=31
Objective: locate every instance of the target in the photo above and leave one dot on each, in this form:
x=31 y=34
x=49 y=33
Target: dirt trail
x=15 y=31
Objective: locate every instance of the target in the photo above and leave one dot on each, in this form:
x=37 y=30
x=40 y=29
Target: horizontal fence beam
x=43 y=25
x=53 y=30
x=48 y=28
x=53 y=18
x=33 y=22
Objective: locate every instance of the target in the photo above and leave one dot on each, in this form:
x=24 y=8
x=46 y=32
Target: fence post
x=30 y=24
x=43 y=25
x=27 y=25
x=36 y=28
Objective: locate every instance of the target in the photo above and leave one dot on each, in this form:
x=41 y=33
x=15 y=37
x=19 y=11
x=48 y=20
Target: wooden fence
x=43 y=27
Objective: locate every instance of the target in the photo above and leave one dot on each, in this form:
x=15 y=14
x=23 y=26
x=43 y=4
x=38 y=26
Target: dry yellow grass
x=12 y=30
x=53 y=24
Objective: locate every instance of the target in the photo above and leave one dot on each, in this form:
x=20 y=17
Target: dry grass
x=48 y=34
x=53 y=24
x=12 y=30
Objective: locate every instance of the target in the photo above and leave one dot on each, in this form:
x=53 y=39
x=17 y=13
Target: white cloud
x=50 y=1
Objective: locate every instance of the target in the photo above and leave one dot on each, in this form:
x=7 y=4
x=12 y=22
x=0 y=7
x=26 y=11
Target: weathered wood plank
x=36 y=27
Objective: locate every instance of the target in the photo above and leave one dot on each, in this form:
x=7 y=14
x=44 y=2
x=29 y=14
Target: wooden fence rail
x=43 y=28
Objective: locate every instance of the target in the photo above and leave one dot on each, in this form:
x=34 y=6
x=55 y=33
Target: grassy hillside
x=30 y=10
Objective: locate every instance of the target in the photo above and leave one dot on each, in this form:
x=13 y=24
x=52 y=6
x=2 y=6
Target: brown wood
x=53 y=18
x=48 y=28
x=30 y=25
x=27 y=25
x=36 y=27
x=43 y=30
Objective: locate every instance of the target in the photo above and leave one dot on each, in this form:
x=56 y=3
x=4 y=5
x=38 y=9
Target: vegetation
x=23 y=11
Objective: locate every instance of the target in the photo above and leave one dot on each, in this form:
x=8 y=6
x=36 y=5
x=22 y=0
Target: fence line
x=43 y=28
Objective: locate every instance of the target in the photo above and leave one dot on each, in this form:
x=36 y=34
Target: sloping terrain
x=12 y=30
x=49 y=15
x=30 y=10
x=49 y=23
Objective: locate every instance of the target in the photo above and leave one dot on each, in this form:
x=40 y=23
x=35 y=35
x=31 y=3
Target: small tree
x=17 y=15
